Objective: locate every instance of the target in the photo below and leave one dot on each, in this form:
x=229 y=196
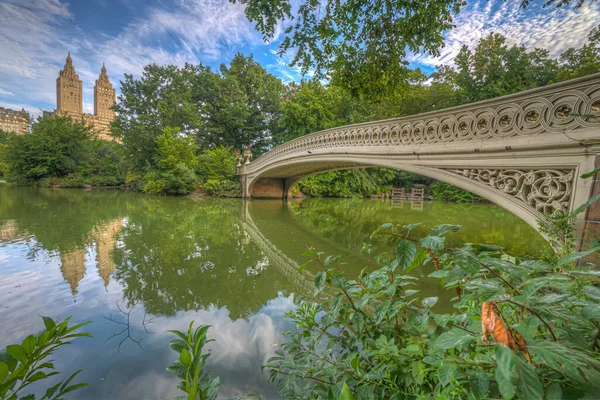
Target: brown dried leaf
x=488 y=319
x=501 y=334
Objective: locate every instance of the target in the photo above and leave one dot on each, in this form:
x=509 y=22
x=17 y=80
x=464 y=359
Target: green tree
x=3 y=147
x=56 y=147
x=175 y=162
x=239 y=107
x=361 y=45
x=583 y=61
x=160 y=99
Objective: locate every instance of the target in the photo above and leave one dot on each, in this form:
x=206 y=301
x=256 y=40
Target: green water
x=168 y=261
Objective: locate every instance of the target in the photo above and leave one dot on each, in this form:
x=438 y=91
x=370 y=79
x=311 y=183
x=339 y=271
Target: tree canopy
x=361 y=45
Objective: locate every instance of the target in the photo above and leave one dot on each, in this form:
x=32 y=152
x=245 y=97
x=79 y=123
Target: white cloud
x=6 y=93
x=552 y=28
x=186 y=32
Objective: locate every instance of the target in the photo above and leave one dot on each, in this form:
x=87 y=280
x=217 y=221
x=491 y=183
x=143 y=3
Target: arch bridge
x=524 y=152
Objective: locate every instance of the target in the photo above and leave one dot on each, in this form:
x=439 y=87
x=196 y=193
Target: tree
x=56 y=147
x=583 y=61
x=175 y=162
x=361 y=45
x=239 y=107
x=161 y=98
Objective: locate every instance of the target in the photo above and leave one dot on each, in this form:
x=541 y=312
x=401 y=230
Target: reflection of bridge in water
x=277 y=217
x=286 y=266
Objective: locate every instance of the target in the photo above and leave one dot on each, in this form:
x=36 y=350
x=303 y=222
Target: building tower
x=69 y=90
x=104 y=97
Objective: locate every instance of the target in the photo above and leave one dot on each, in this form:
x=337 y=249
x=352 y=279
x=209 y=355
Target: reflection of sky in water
x=241 y=348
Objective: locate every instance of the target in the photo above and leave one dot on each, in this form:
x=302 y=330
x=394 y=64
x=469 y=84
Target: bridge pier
x=591 y=227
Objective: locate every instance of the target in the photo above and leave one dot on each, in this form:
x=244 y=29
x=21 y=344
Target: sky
x=35 y=36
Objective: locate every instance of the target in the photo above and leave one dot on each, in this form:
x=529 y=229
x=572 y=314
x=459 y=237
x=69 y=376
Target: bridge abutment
x=591 y=228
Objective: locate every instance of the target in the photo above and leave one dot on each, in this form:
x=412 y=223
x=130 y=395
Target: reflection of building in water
x=73 y=267
x=106 y=240
x=73 y=263
x=9 y=230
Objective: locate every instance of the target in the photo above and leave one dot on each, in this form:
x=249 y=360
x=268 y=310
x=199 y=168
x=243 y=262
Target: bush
x=178 y=181
x=222 y=188
x=217 y=164
x=176 y=161
x=446 y=192
x=524 y=329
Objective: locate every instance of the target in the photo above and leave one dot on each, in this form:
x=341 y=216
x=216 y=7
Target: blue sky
x=35 y=36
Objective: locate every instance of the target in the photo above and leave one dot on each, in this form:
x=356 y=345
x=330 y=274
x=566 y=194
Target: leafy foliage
x=446 y=192
x=25 y=363
x=522 y=328
x=190 y=366
x=62 y=152
x=350 y=41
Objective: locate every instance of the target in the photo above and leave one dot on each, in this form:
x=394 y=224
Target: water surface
x=102 y=254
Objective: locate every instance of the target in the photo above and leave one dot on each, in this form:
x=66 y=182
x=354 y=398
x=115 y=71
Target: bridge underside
x=528 y=185
x=525 y=152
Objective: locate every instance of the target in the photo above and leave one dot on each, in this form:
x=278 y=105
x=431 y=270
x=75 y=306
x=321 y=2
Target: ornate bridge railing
x=552 y=109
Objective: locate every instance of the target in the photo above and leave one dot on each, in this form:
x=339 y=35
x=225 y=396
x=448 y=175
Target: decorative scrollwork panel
x=545 y=190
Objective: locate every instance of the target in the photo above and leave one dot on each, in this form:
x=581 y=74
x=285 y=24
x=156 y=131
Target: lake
x=109 y=256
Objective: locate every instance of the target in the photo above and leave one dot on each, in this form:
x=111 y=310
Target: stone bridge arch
x=524 y=152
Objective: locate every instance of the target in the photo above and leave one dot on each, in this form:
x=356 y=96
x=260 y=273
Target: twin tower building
x=69 y=99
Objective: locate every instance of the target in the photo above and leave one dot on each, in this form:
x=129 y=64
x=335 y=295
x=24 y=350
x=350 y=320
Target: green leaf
x=185 y=358
x=528 y=384
x=454 y=338
x=554 y=392
x=590 y=174
x=320 y=279
x=480 y=384
x=418 y=260
x=568 y=259
x=17 y=352
x=442 y=229
x=48 y=323
x=433 y=242
x=446 y=373
x=405 y=253
x=582 y=207
x=29 y=344
x=440 y=273
x=506 y=370
x=3 y=371
x=467 y=260
x=387 y=225
x=592 y=292
x=410 y=227
x=429 y=302
x=346 y=393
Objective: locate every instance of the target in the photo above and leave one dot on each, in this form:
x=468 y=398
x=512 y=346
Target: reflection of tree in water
x=180 y=255
x=60 y=220
x=350 y=222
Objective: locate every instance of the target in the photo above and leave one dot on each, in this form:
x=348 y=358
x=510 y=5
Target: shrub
x=217 y=164
x=222 y=188
x=175 y=162
x=178 y=181
x=446 y=192
x=524 y=329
